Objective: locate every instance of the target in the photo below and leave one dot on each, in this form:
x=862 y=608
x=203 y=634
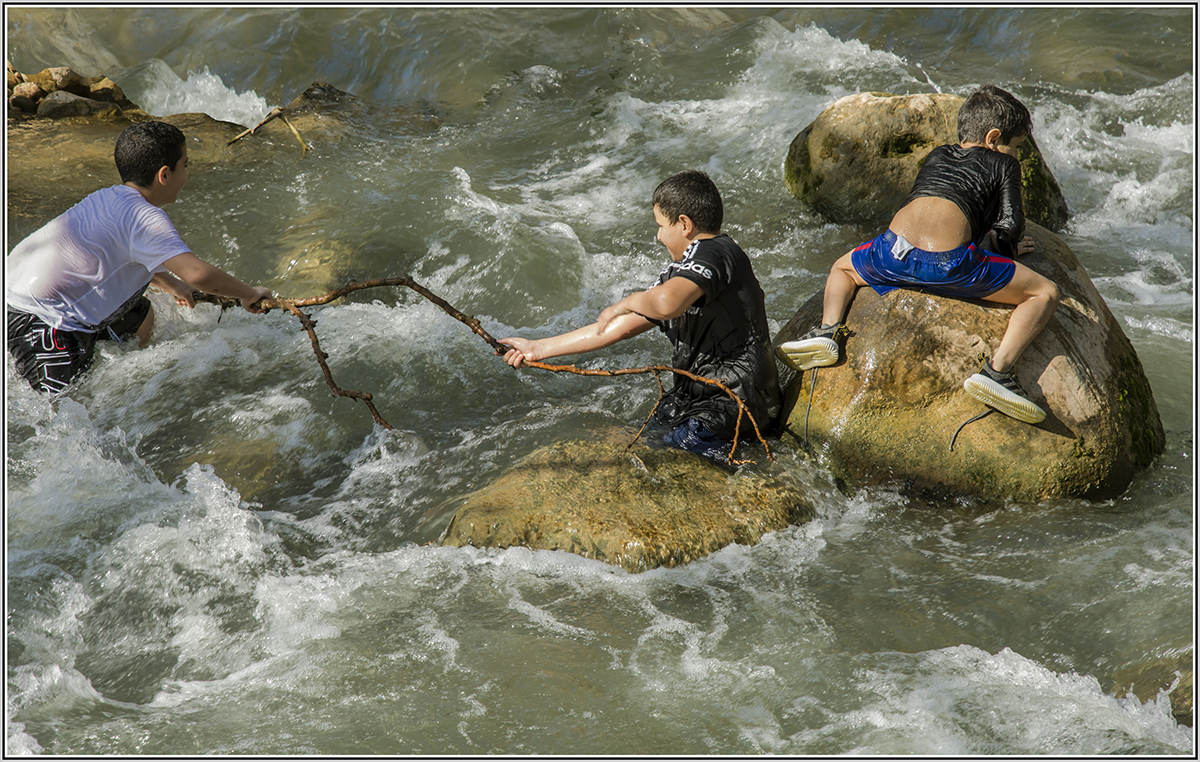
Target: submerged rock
x=53 y=163
x=325 y=113
x=887 y=411
x=1173 y=674
x=638 y=509
x=856 y=163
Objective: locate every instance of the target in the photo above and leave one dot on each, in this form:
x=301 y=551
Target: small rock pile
x=60 y=92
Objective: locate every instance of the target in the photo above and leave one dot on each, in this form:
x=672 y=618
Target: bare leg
x=819 y=347
x=1035 y=297
x=840 y=287
x=145 y=329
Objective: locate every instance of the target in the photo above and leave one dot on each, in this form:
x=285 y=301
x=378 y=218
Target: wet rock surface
x=638 y=510
x=888 y=410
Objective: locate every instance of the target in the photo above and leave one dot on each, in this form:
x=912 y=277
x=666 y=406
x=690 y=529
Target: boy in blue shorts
x=709 y=304
x=82 y=277
x=962 y=193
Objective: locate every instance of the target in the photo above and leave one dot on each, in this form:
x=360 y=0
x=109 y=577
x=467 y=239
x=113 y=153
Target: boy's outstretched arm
x=213 y=280
x=663 y=302
x=586 y=339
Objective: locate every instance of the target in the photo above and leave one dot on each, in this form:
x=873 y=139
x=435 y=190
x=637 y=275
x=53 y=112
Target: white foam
x=164 y=92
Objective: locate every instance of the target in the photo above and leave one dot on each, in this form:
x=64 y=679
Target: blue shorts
x=693 y=436
x=968 y=272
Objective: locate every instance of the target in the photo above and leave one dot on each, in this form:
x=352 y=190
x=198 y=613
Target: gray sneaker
x=816 y=349
x=1001 y=391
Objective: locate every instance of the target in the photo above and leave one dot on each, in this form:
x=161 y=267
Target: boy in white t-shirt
x=83 y=275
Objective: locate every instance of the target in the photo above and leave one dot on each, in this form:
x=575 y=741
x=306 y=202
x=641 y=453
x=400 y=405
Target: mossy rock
x=889 y=410
x=638 y=509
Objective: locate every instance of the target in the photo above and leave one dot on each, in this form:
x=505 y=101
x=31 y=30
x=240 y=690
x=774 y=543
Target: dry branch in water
x=293 y=305
x=275 y=112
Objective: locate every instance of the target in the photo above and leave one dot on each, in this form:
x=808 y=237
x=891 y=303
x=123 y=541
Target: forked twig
x=310 y=326
x=275 y=112
x=303 y=145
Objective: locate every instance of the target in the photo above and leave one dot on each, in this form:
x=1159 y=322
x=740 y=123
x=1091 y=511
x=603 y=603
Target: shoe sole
x=809 y=353
x=994 y=395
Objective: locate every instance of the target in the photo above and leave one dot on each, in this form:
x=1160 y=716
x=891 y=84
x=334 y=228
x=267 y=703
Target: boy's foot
x=816 y=349
x=1002 y=391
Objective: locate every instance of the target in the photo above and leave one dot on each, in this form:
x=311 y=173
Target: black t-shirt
x=986 y=186
x=722 y=336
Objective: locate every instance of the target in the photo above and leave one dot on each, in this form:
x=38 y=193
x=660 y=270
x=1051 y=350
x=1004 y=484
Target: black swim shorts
x=51 y=358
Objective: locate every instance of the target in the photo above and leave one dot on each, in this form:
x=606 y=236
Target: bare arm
x=175 y=287
x=213 y=280
x=663 y=302
x=586 y=339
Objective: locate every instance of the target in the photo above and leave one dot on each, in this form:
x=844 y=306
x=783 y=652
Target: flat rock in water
x=62 y=104
x=889 y=409
x=637 y=509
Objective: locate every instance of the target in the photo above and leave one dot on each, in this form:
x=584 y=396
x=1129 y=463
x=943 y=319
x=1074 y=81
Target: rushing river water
x=208 y=554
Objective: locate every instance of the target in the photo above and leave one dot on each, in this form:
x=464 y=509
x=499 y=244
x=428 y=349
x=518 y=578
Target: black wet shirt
x=724 y=336
x=984 y=184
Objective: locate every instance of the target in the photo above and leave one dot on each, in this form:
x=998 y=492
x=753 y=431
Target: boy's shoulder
x=956 y=152
x=969 y=168
x=719 y=244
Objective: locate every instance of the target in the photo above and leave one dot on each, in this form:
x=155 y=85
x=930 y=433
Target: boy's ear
x=689 y=225
x=992 y=138
x=161 y=175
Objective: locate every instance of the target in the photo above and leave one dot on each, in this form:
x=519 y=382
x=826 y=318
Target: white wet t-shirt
x=83 y=265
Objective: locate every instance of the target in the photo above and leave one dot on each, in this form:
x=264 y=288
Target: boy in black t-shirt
x=963 y=194
x=708 y=302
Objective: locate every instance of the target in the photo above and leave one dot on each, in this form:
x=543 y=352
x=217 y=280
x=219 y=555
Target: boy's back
x=984 y=184
x=82 y=265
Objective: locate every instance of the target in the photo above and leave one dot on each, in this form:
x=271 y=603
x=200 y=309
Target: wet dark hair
x=146 y=147
x=990 y=108
x=693 y=193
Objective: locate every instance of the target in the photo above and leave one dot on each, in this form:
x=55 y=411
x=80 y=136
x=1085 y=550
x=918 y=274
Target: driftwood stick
x=303 y=145
x=293 y=305
x=274 y=113
x=468 y=320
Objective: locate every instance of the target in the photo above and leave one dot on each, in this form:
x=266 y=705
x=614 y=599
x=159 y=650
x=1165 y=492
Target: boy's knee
x=842 y=265
x=1050 y=291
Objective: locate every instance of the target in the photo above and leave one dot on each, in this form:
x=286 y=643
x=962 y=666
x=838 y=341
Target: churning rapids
x=207 y=554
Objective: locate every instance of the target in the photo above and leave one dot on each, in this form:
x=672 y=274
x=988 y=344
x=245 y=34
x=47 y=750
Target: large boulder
x=637 y=509
x=856 y=163
x=888 y=410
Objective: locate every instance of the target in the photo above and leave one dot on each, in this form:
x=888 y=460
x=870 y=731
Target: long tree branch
x=293 y=305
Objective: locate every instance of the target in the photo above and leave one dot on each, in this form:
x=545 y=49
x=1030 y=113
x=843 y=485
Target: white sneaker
x=1001 y=391
x=816 y=349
